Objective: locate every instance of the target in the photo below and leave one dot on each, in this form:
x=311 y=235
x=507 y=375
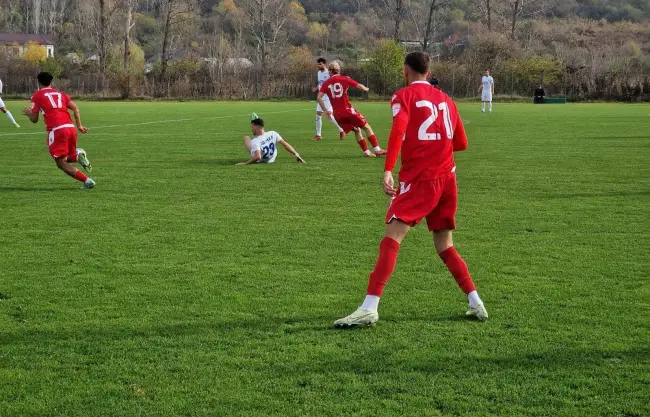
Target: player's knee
x=442 y=240
x=3 y=109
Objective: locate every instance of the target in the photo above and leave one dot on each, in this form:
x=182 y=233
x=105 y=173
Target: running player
x=336 y=88
x=263 y=146
x=61 y=133
x=323 y=75
x=487 y=91
x=428 y=128
x=3 y=108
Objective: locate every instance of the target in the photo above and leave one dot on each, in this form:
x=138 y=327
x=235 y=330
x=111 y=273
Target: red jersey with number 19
x=54 y=106
x=336 y=88
x=433 y=131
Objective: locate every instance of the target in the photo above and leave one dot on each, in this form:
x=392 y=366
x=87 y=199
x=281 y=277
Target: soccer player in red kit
x=61 y=133
x=336 y=88
x=428 y=129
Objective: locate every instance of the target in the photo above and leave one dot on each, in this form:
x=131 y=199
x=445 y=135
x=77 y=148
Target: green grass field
x=185 y=286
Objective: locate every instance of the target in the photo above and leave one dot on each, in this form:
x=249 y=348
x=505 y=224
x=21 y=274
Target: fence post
x=512 y=92
x=453 y=83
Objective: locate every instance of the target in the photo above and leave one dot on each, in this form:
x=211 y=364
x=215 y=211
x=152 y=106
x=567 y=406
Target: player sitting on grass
x=428 y=129
x=61 y=133
x=336 y=88
x=3 y=108
x=263 y=147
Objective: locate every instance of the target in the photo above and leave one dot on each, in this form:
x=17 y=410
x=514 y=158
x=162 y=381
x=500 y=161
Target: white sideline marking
x=157 y=122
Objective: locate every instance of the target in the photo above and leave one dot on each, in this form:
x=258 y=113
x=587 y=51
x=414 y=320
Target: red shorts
x=436 y=200
x=350 y=119
x=62 y=142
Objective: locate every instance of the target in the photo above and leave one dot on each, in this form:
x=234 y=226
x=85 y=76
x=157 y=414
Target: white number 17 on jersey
x=56 y=104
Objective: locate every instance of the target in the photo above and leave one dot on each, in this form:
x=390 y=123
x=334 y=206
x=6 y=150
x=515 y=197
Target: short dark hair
x=321 y=61
x=258 y=122
x=418 y=62
x=45 y=78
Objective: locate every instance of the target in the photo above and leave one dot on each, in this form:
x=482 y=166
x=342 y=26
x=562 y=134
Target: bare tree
x=399 y=7
x=265 y=20
x=174 y=12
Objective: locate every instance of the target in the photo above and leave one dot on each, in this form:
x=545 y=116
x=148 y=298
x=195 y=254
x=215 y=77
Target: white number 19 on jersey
x=336 y=89
x=56 y=104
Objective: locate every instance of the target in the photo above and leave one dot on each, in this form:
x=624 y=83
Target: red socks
x=363 y=144
x=373 y=141
x=80 y=176
x=458 y=269
x=384 y=267
x=73 y=157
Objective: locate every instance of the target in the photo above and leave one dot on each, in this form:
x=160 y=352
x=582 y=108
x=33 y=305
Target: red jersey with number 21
x=54 y=106
x=336 y=88
x=434 y=130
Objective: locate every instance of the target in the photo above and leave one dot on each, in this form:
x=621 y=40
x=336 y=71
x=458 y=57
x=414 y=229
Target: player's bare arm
x=77 y=116
x=32 y=116
x=319 y=98
x=291 y=150
x=253 y=159
x=362 y=88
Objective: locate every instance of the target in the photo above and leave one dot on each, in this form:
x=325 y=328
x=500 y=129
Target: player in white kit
x=487 y=90
x=3 y=108
x=263 y=147
x=324 y=75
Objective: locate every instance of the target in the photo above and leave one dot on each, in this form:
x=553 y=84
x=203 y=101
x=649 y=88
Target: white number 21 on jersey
x=56 y=104
x=444 y=109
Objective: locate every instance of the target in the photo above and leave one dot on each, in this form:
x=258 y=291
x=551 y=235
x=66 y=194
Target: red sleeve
x=351 y=82
x=397 y=132
x=35 y=106
x=460 y=138
x=323 y=87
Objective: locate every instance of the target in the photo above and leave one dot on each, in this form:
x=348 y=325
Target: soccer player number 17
x=422 y=133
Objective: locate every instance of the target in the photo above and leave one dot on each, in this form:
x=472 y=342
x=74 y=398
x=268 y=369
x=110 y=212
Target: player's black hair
x=45 y=79
x=258 y=122
x=321 y=61
x=418 y=62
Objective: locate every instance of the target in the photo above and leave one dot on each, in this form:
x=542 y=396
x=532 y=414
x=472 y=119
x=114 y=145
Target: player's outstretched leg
x=482 y=107
x=443 y=242
x=490 y=106
x=366 y=314
x=373 y=141
x=9 y=116
x=319 y=126
x=64 y=166
x=363 y=144
x=339 y=128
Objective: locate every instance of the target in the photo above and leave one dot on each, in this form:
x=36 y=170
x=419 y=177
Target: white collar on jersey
x=420 y=82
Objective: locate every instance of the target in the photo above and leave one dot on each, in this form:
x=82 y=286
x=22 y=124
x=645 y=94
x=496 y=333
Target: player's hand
x=240 y=164
x=329 y=115
x=27 y=111
x=300 y=160
x=389 y=184
x=83 y=129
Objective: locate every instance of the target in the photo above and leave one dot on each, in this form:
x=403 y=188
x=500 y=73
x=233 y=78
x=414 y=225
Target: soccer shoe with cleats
x=17 y=125
x=369 y=155
x=83 y=160
x=479 y=312
x=318 y=137
x=380 y=152
x=361 y=317
x=89 y=184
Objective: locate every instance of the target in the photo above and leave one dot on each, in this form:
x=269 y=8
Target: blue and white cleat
x=89 y=184
x=83 y=160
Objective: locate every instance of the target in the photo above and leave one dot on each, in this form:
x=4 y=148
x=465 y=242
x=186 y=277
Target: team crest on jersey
x=396 y=109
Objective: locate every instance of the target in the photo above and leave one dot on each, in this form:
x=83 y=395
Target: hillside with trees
x=584 y=49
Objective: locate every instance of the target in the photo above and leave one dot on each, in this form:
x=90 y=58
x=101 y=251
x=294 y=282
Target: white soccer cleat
x=361 y=317
x=83 y=160
x=17 y=125
x=89 y=184
x=479 y=312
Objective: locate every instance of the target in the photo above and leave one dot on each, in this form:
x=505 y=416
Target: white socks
x=377 y=148
x=474 y=299
x=319 y=125
x=371 y=303
x=10 y=117
x=483 y=106
x=333 y=120
x=490 y=107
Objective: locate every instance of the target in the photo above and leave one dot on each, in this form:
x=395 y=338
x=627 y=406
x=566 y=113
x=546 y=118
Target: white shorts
x=328 y=105
x=2 y=103
x=487 y=96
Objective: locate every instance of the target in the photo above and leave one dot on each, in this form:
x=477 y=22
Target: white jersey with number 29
x=267 y=144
